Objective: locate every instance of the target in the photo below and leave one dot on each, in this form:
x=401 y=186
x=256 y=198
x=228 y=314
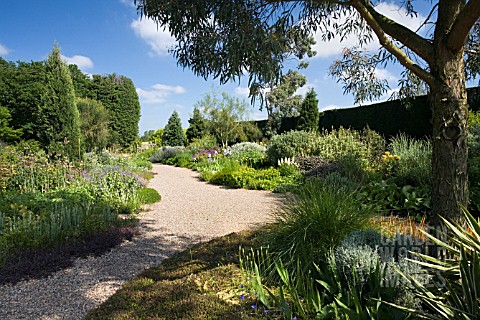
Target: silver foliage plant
x=360 y=257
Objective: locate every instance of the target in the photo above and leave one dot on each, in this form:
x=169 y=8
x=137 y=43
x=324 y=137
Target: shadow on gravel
x=42 y=262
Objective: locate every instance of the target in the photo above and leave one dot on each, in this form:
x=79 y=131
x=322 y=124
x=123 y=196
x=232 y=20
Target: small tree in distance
x=197 y=126
x=308 y=112
x=223 y=114
x=173 y=134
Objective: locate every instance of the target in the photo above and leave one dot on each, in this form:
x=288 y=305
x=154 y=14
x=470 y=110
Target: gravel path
x=190 y=211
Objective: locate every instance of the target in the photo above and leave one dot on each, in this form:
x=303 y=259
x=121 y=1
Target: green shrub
x=363 y=145
x=148 y=195
x=248 y=153
x=287 y=170
x=414 y=166
x=204 y=143
x=225 y=175
x=292 y=144
x=182 y=159
x=387 y=196
x=474 y=160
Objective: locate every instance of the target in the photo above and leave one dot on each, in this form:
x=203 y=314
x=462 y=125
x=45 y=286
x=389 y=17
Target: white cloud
x=4 y=50
x=158 y=93
x=303 y=90
x=128 y=3
x=82 y=62
x=384 y=74
x=332 y=107
x=159 y=40
x=243 y=91
x=391 y=10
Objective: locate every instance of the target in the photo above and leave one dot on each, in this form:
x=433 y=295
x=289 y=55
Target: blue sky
x=107 y=36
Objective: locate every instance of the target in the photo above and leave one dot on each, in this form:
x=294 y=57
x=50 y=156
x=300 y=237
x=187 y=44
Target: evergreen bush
x=173 y=134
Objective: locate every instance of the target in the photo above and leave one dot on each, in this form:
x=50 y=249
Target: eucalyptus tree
x=226 y=39
x=282 y=101
x=223 y=114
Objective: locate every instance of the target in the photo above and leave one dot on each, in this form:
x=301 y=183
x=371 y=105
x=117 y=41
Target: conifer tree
x=58 y=117
x=173 y=134
x=197 y=126
x=308 y=112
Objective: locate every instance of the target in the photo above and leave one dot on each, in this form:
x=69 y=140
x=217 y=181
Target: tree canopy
x=223 y=113
x=227 y=39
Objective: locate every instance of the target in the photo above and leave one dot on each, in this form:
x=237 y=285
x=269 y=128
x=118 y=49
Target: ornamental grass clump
x=415 y=161
x=314 y=220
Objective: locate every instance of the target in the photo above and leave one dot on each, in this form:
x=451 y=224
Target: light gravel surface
x=191 y=211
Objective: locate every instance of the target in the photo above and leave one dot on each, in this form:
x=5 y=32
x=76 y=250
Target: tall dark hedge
x=118 y=95
x=58 y=118
x=173 y=134
x=21 y=86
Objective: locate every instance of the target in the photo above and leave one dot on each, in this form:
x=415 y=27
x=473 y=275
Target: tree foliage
x=308 y=113
x=282 y=101
x=7 y=133
x=223 y=113
x=58 y=117
x=197 y=128
x=94 y=119
x=173 y=134
x=148 y=136
x=120 y=98
x=81 y=82
x=21 y=86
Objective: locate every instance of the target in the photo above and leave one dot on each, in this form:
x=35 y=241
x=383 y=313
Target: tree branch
x=407 y=37
x=464 y=22
x=369 y=14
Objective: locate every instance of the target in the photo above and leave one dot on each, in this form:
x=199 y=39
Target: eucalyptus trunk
x=450 y=113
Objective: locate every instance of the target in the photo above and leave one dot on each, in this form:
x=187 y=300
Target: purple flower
x=242 y=297
x=242 y=286
x=254 y=306
x=266 y=311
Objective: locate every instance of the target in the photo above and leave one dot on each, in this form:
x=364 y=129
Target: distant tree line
x=64 y=109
